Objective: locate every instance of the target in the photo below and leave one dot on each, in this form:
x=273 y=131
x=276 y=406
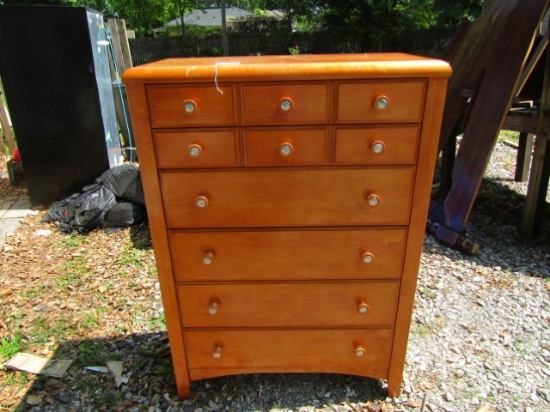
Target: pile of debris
x=115 y=199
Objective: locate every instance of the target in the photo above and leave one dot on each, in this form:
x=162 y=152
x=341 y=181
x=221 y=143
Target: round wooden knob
x=362 y=308
x=189 y=106
x=367 y=257
x=208 y=258
x=360 y=351
x=194 y=150
x=213 y=308
x=286 y=104
x=217 y=352
x=286 y=149
x=377 y=147
x=201 y=202
x=373 y=200
x=381 y=102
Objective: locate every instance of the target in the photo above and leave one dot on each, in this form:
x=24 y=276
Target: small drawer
x=275 y=197
x=285 y=104
x=286 y=147
x=363 y=352
x=196 y=149
x=179 y=106
x=372 y=102
x=289 y=304
x=376 y=145
x=287 y=255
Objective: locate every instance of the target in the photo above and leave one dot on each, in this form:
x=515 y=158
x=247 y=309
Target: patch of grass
x=93 y=353
x=132 y=257
x=157 y=322
x=429 y=293
x=43 y=331
x=17 y=378
x=67 y=280
x=91 y=318
x=420 y=330
x=73 y=240
x=112 y=399
x=521 y=347
x=73 y=270
x=10 y=346
x=508 y=135
x=31 y=293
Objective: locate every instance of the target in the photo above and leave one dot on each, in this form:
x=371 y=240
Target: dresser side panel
x=146 y=154
x=435 y=100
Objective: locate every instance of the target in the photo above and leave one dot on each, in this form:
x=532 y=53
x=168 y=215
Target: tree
x=375 y=25
x=451 y=12
x=141 y=15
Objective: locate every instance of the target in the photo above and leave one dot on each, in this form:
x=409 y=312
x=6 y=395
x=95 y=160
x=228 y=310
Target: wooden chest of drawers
x=287 y=198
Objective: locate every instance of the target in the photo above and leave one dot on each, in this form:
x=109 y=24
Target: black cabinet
x=54 y=65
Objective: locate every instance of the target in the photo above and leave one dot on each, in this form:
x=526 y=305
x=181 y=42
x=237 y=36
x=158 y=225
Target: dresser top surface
x=287 y=67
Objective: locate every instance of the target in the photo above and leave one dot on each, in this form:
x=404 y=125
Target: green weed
x=430 y=293
x=131 y=256
x=420 y=330
x=73 y=240
x=74 y=270
x=43 y=331
x=32 y=292
x=112 y=399
x=11 y=346
x=92 y=353
x=157 y=322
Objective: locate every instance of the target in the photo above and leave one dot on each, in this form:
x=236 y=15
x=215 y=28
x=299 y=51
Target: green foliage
x=362 y=25
x=10 y=346
x=451 y=12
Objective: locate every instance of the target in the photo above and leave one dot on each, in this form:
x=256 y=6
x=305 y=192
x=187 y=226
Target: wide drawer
x=286 y=147
x=285 y=104
x=371 y=102
x=376 y=145
x=223 y=352
x=324 y=197
x=179 y=106
x=287 y=255
x=355 y=304
x=196 y=148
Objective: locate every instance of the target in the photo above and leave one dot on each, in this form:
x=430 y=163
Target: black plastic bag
x=82 y=211
x=124 y=214
x=114 y=200
x=125 y=182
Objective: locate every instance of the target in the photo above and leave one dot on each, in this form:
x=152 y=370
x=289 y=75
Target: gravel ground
x=480 y=337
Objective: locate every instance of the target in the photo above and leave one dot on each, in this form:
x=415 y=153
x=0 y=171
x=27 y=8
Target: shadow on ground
x=150 y=383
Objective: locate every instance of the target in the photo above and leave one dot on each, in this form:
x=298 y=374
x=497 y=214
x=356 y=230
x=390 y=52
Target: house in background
x=207 y=17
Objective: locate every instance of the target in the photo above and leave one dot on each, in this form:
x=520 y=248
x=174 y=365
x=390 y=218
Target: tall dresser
x=287 y=198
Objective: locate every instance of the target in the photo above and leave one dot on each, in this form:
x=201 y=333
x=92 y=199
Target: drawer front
x=287 y=255
x=334 y=197
x=285 y=104
x=179 y=106
x=196 y=149
x=286 y=147
x=377 y=145
x=289 y=304
x=335 y=351
x=362 y=102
